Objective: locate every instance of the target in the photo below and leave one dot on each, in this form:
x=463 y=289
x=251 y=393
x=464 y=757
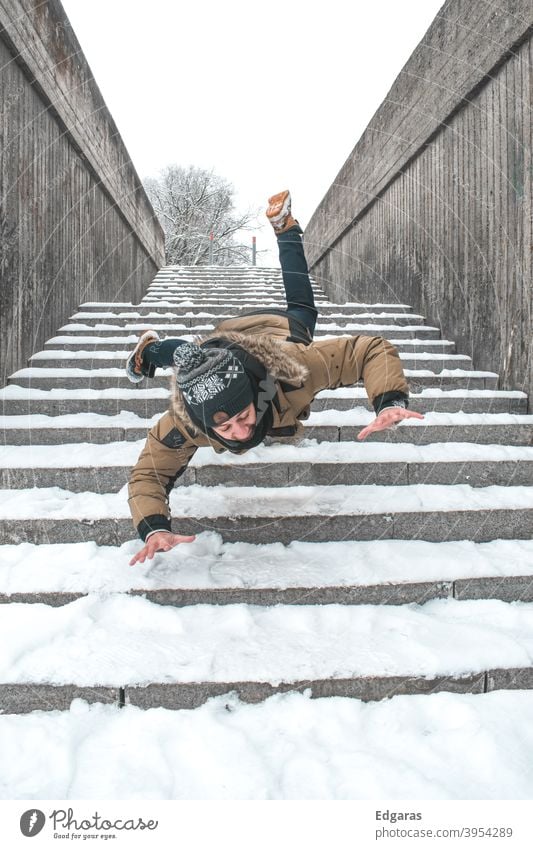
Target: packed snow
x=95 y=455
x=120 y=356
x=131 y=314
x=43 y=371
x=87 y=421
x=360 y=415
x=128 y=340
x=123 y=640
x=50 y=354
x=356 y=417
x=210 y=563
x=13 y=392
x=440 y=746
x=217 y=501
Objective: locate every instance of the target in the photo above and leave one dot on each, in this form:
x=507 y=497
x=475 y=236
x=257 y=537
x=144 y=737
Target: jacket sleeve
x=165 y=456
x=372 y=359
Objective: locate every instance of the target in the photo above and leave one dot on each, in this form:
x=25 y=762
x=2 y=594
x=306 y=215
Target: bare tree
x=191 y=204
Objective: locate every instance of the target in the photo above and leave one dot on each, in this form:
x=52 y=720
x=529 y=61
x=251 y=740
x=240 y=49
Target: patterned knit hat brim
x=211 y=381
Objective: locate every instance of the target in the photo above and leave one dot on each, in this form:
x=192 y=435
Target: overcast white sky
x=271 y=95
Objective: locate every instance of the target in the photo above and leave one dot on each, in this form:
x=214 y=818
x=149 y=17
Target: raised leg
x=295 y=273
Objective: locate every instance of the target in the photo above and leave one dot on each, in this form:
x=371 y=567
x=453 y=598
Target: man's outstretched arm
x=165 y=456
x=375 y=361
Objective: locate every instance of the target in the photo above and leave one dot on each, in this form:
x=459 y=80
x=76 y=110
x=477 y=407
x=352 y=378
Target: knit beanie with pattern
x=211 y=380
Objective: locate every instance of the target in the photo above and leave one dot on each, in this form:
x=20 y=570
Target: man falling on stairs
x=253 y=377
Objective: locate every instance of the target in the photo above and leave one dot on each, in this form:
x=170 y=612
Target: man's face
x=239 y=428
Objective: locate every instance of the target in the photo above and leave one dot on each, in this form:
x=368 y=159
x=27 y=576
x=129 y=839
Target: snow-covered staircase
x=361 y=569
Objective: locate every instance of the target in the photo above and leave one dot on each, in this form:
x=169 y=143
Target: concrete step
x=268 y=514
x=393 y=331
x=16 y=400
x=229 y=281
x=65 y=358
x=512 y=588
x=171 y=318
x=246 y=300
x=205 y=284
x=84 y=467
x=21 y=698
x=41 y=377
x=223 y=281
x=242 y=289
x=217 y=271
x=505 y=588
x=214 y=286
x=216 y=281
x=209 y=571
x=326 y=309
x=482 y=429
x=224 y=284
x=163 y=305
x=102 y=341
x=239 y=303
x=368 y=652
x=169 y=324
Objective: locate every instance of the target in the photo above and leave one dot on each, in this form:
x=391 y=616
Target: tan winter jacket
x=324 y=364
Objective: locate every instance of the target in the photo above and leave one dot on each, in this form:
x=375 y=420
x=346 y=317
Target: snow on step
x=86 y=421
x=309 y=451
x=126 y=640
x=95 y=340
x=117 y=376
x=151 y=302
x=288 y=747
x=350 y=392
x=210 y=563
x=79 y=316
x=380 y=329
x=359 y=416
x=488 y=428
x=116 y=305
x=119 y=372
x=266 y=502
x=356 y=417
x=13 y=392
x=121 y=356
x=127 y=341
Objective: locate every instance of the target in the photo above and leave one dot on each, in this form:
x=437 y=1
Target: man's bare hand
x=161 y=541
x=387 y=418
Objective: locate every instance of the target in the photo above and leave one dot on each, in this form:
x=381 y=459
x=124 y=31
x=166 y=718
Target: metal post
x=211 y=248
x=254 y=251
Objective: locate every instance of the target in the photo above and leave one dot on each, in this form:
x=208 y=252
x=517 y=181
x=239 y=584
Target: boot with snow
x=279 y=212
x=134 y=363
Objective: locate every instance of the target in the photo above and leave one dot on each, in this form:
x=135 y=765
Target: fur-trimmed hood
x=271 y=352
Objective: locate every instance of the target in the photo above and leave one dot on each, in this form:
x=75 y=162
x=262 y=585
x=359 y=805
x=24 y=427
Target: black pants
x=298 y=292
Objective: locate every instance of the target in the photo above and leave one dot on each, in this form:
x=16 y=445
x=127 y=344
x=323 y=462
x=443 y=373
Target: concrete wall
x=75 y=222
x=434 y=205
